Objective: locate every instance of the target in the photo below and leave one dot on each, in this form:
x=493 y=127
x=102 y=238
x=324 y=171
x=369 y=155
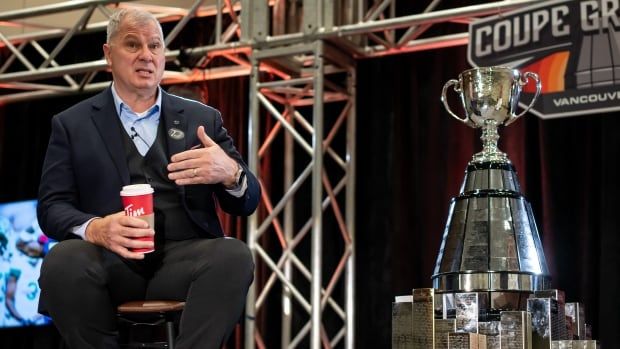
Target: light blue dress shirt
x=141 y=127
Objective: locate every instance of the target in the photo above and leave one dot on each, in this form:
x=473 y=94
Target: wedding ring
x=194 y=173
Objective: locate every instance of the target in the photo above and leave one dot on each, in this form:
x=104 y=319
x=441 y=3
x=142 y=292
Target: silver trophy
x=491 y=244
x=490 y=96
x=491 y=258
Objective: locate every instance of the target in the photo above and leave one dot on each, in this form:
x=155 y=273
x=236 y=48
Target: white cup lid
x=136 y=189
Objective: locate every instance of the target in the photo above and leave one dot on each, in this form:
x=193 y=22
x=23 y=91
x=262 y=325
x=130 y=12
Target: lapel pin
x=176 y=134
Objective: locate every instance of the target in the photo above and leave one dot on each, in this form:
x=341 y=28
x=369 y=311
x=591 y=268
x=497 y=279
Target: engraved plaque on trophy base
x=584 y=344
x=423 y=334
x=466 y=312
x=402 y=323
x=491 y=330
x=559 y=296
x=516 y=330
x=545 y=321
x=490 y=303
x=573 y=344
x=443 y=327
x=463 y=340
x=444 y=305
x=575 y=314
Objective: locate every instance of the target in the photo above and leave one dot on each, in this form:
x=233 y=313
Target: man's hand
x=118 y=233
x=206 y=165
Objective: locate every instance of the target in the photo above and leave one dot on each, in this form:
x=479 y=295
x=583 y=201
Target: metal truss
x=363 y=28
x=300 y=56
x=317 y=151
x=45 y=73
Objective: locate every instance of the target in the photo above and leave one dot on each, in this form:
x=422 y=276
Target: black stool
x=149 y=314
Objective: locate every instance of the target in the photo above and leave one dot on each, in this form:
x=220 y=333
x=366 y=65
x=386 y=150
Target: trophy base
x=489 y=305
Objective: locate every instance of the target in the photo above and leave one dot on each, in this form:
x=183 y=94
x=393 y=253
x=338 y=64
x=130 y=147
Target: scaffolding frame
x=297 y=106
x=365 y=31
x=298 y=63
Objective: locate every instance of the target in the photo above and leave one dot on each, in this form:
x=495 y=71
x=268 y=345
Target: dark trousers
x=82 y=284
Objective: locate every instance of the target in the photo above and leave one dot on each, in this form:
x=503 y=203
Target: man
x=131 y=133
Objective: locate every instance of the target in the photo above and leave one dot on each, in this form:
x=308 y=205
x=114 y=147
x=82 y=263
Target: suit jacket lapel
x=109 y=129
x=175 y=121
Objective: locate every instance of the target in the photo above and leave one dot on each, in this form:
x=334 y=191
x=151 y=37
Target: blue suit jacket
x=85 y=165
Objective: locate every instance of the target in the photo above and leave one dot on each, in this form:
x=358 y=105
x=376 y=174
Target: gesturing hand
x=206 y=165
x=118 y=233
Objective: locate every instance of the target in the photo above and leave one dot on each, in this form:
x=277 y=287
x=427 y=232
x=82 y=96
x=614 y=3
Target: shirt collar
x=119 y=104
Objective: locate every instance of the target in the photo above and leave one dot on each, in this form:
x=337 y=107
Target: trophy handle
x=444 y=100
x=524 y=82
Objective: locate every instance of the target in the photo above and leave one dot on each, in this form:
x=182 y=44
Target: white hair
x=136 y=16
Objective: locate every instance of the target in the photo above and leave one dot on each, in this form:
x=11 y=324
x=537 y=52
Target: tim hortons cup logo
x=130 y=211
x=140 y=212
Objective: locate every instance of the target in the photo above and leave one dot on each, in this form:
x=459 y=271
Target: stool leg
x=170 y=333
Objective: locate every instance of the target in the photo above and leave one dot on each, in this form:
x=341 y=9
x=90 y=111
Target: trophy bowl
x=490 y=93
x=490 y=96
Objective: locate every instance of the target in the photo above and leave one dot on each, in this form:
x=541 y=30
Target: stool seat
x=164 y=310
x=150 y=306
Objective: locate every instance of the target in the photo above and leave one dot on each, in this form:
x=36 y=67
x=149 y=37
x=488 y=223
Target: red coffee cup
x=138 y=202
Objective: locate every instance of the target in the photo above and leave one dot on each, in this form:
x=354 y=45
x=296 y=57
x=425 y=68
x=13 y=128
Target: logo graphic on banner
x=574 y=46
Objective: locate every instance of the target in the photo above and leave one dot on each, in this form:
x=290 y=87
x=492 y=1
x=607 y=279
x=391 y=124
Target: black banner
x=574 y=46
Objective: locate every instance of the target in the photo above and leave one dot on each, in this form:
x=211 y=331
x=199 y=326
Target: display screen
x=22 y=246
